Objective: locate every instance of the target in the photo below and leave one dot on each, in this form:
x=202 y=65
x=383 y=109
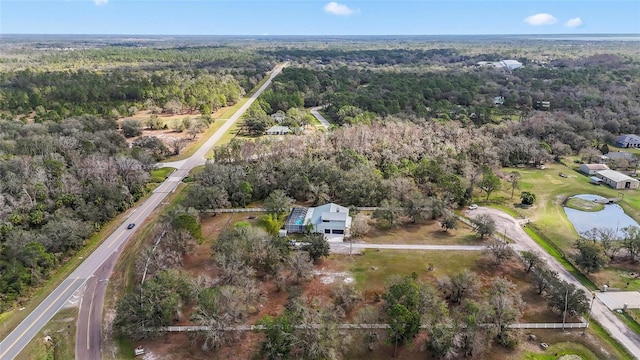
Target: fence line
x=195 y=328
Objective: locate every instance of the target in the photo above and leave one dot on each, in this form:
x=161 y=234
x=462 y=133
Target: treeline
x=59 y=182
x=58 y=95
x=604 y=90
x=426 y=165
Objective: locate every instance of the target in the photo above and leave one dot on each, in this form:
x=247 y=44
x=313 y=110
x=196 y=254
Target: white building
x=592 y=169
x=331 y=219
x=278 y=130
x=628 y=141
x=617 y=180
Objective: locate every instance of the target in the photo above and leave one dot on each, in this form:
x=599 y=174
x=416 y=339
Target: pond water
x=612 y=216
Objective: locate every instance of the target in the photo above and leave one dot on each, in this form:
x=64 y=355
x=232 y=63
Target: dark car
x=130 y=226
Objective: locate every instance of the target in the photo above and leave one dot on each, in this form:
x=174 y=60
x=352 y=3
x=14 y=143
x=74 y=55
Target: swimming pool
x=300 y=220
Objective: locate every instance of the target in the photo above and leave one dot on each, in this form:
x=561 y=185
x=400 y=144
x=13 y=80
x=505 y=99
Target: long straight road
x=13 y=344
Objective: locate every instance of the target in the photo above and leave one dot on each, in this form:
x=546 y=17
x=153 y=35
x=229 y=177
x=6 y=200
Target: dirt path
x=513 y=229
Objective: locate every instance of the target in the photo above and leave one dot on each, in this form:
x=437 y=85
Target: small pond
x=612 y=216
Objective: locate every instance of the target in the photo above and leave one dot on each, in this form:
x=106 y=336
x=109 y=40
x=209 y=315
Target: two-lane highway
x=107 y=253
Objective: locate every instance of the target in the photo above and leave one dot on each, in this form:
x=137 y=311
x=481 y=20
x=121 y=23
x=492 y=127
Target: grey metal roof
x=615 y=176
x=596 y=166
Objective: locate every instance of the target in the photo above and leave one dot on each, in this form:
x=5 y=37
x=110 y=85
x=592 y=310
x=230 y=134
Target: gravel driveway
x=514 y=231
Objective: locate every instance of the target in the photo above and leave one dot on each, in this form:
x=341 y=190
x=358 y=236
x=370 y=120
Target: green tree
x=631 y=241
x=590 y=256
x=273 y=223
x=278 y=203
x=490 y=182
x=278 y=341
x=131 y=128
x=527 y=198
x=402 y=308
x=416 y=206
x=531 y=259
x=316 y=246
x=484 y=225
x=505 y=306
x=389 y=212
x=449 y=222
x=564 y=294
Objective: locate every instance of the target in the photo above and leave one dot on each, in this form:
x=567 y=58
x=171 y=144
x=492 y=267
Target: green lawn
x=159 y=175
x=584 y=205
x=551 y=190
x=373 y=268
x=62 y=330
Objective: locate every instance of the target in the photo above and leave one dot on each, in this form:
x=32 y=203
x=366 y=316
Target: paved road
x=605 y=317
x=90 y=319
x=323 y=121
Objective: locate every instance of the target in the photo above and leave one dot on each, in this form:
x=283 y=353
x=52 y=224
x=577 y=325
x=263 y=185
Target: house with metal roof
x=278 y=130
x=627 y=141
x=617 y=180
x=331 y=219
x=591 y=169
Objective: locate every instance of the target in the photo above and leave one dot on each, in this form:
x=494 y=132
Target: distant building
x=627 y=141
x=618 y=155
x=617 y=180
x=542 y=105
x=278 y=117
x=498 y=100
x=591 y=169
x=278 y=130
x=507 y=64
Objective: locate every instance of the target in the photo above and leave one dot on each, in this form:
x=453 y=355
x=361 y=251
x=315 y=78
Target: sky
x=311 y=17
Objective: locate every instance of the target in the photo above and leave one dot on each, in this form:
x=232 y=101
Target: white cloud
x=100 y=2
x=339 y=9
x=541 y=19
x=572 y=23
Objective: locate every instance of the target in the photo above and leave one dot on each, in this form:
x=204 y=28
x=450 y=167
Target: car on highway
x=473 y=207
x=130 y=226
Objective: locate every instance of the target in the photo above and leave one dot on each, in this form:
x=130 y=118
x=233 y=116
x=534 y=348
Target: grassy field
x=550 y=226
x=373 y=268
x=160 y=174
x=62 y=330
x=583 y=205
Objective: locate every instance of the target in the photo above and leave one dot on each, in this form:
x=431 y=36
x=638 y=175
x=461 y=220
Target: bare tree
x=499 y=251
x=360 y=225
x=459 y=286
x=176 y=145
x=301 y=265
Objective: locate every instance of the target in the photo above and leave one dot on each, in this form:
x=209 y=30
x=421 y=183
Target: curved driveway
x=606 y=318
x=107 y=253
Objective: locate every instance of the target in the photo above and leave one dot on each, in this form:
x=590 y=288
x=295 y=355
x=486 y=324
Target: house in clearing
x=627 y=141
x=278 y=117
x=278 y=130
x=591 y=169
x=617 y=180
x=331 y=219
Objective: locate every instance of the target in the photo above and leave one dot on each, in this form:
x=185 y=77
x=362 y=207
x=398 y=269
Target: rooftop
x=596 y=166
x=615 y=176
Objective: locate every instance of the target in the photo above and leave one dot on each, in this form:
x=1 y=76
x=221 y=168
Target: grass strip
x=629 y=321
x=622 y=351
x=160 y=174
x=193 y=147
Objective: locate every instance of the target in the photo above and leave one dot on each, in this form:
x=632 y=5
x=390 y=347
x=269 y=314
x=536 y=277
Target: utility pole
x=566 y=303
x=593 y=297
